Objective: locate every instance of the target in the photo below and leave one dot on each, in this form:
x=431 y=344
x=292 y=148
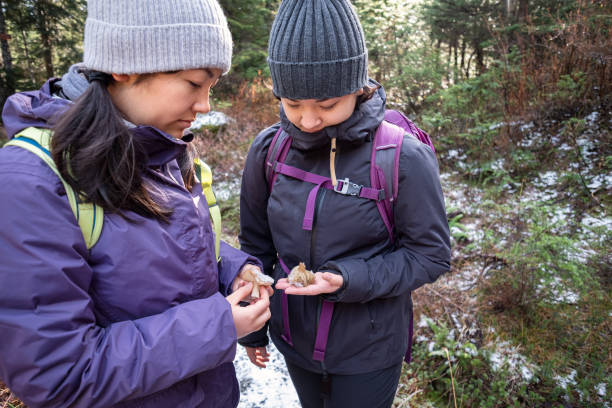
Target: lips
x=185 y=123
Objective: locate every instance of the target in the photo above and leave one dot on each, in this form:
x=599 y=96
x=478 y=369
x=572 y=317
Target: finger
x=240 y=294
x=259 y=364
x=334 y=279
x=261 y=307
x=282 y=284
x=306 y=291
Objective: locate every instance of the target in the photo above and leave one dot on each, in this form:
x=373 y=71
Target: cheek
x=293 y=116
x=339 y=116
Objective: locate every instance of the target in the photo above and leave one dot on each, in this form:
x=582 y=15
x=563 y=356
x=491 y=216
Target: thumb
x=333 y=278
x=240 y=294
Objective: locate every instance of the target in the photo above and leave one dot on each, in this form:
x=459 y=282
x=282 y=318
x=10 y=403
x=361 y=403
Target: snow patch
x=269 y=387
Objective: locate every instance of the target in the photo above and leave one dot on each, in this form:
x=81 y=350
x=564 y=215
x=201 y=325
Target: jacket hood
x=42 y=109
x=356 y=129
x=33 y=109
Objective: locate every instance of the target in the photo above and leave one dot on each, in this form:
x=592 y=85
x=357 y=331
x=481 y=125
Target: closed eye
x=330 y=107
x=195 y=84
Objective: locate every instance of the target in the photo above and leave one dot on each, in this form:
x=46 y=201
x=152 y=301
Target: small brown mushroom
x=258 y=279
x=300 y=276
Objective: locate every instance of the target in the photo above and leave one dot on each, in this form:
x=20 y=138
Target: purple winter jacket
x=140 y=319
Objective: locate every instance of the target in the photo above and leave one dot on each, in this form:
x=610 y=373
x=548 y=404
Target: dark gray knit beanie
x=144 y=36
x=317 y=50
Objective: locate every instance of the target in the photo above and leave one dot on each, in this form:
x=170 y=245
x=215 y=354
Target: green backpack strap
x=89 y=216
x=204 y=175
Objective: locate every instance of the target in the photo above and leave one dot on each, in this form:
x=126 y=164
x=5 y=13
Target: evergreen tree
x=250 y=22
x=7 y=81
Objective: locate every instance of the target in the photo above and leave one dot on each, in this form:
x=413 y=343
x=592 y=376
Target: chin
x=312 y=131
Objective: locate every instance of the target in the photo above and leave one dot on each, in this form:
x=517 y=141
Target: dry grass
x=7 y=399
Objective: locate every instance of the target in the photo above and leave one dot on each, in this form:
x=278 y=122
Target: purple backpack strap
x=327 y=310
x=408 y=355
x=285 y=307
x=384 y=168
x=277 y=152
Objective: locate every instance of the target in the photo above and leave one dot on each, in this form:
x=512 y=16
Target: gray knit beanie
x=144 y=36
x=317 y=50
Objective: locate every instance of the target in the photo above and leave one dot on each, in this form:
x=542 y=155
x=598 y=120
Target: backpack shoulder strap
x=384 y=168
x=89 y=216
x=277 y=152
x=204 y=175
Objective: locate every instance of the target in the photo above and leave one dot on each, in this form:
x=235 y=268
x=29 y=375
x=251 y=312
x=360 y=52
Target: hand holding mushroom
x=252 y=273
x=304 y=282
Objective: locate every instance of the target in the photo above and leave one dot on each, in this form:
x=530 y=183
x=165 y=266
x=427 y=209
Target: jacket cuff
x=356 y=281
x=256 y=339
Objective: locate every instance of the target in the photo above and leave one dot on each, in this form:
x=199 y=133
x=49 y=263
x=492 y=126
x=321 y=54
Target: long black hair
x=96 y=154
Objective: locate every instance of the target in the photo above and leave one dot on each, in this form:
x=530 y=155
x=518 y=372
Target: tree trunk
x=523 y=11
x=8 y=85
x=45 y=35
x=462 y=55
x=455 y=62
x=479 y=59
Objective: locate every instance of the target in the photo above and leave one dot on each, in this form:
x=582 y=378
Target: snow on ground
x=507 y=356
x=268 y=387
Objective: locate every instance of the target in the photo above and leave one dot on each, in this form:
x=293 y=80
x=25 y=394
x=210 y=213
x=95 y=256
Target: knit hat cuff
x=319 y=79
x=123 y=49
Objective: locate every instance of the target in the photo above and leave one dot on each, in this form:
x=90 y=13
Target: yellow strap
x=204 y=175
x=89 y=216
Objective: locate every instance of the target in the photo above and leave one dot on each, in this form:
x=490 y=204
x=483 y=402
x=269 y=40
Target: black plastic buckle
x=348 y=188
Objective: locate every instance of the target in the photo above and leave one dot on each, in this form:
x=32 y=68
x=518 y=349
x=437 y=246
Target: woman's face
x=312 y=115
x=167 y=101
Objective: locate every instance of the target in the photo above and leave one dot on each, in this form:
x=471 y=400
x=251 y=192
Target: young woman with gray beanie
x=293 y=210
x=148 y=316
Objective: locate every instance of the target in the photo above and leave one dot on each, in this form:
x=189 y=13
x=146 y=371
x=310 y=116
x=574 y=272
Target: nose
x=310 y=120
x=202 y=104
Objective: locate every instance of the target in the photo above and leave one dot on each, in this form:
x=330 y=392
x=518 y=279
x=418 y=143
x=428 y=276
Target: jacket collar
x=159 y=147
x=358 y=128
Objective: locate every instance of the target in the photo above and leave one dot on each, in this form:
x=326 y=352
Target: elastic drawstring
x=332 y=160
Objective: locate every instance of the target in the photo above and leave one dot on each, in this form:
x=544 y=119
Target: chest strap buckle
x=347 y=188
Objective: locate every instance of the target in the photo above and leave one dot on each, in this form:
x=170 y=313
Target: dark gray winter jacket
x=369 y=328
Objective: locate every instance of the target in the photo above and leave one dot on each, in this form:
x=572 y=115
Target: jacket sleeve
x=422 y=247
x=52 y=352
x=231 y=263
x=255 y=237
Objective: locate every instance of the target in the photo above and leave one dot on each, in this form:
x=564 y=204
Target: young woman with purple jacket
x=148 y=316
x=343 y=337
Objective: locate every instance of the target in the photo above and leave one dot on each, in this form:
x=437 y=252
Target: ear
x=127 y=78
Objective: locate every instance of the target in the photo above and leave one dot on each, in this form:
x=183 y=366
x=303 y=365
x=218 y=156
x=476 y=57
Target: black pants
x=375 y=389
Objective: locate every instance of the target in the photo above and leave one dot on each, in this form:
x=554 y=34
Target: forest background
x=516 y=95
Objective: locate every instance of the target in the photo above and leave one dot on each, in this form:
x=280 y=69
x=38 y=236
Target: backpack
x=90 y=216
x=384 y=174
